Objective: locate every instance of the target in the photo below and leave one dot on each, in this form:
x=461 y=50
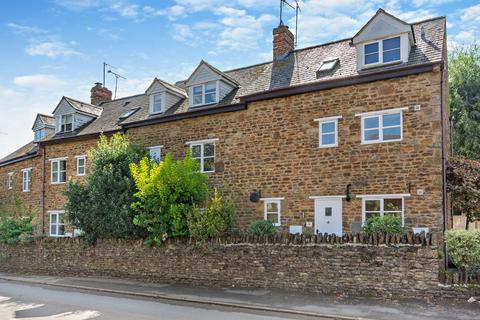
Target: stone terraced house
x=318 y=139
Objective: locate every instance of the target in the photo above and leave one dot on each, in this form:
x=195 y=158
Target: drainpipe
x=444 y=172
x=43 y=190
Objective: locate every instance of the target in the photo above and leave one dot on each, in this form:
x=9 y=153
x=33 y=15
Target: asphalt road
x=21 y=301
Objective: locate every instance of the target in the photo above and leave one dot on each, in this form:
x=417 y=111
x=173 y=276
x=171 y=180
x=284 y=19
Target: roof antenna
x=116 y=75
x=297 y=9
x=105 y=65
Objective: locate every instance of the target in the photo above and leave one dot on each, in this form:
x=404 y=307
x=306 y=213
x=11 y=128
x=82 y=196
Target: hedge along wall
x=351 y=265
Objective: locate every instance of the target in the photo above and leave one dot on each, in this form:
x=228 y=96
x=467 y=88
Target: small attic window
x=328 y=65
x=128 y=113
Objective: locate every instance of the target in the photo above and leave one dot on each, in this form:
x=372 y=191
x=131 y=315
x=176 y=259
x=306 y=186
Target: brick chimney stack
x=99 y=94
x=283 y=42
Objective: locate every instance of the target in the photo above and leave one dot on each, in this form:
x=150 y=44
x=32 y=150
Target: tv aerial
x=115 y=74
x=295 y=7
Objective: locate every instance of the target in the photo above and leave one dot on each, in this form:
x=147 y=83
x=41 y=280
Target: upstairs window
x=205 y=94
x=40 y=134
x=10 y=181
x=384 y=51
x=382 y=126
x=328 y=131
x=157 y=103
x=81 y=165
x=59 y=171
x=204 y=153
x=27 y=178
x=155 y=153
x=66 y=123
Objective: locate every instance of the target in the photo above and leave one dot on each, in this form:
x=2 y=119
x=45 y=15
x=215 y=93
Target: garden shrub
x=214 y=220
x=388 y=224
x=167 y=193
x=14 y=230
x=101 y=207
x=464 y=249
x=262 y=228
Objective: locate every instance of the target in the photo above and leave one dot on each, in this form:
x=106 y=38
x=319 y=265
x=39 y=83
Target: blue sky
x=52 y=48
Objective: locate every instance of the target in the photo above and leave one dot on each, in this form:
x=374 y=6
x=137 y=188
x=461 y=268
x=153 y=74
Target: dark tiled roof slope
x=47 y=120
x=84 y=107
x=28 y=149
x=302 y=65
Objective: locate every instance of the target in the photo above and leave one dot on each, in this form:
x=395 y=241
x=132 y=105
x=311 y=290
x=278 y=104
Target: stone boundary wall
x=349 y=269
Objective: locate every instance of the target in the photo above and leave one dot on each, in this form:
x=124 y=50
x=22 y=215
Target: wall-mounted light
x=255 y=195
x=347 y=196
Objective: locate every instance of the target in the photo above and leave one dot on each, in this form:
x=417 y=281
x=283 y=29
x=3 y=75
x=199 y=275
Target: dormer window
x=157 y=103
x=67 y=123
x=40 y=134
x=205 y=94
x=383 y=51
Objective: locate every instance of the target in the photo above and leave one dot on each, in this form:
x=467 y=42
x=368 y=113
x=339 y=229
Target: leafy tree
x=464 y=249
x=167 y=193
x=214 y=220
x=464 y=79
x=16 y=230
x=463 y=182
x=389 y=224
x=101 y=208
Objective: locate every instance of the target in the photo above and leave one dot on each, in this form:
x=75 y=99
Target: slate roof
x=47 y=120
x=298 y=68
x=26 y=150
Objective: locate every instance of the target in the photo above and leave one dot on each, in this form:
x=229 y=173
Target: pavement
x=255 y=301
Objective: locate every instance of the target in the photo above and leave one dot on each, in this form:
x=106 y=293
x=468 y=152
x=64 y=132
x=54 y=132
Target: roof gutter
x=18 y=159
x=187 y=115
x=337 y=83
x=76 y=138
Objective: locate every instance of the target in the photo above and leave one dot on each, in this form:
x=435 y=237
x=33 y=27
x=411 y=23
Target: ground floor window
x=272 y=210
x=383 y=205
x=57 y=227
x=155 y=153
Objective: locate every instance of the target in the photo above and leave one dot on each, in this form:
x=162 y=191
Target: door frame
x=327 y=198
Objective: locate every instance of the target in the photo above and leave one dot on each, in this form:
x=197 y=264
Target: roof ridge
x=120 y=99
x=45 y=115
x=429 y=19
x=76 y=100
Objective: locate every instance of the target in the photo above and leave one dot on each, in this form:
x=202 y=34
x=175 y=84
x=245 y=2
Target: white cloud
x=471 y=14
x=6 y=92
x=39 y=81
x=51 y=48
x=171 y=13
x=182 y=32
x=22 y=29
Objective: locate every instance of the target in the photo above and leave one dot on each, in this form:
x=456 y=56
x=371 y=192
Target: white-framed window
x=382 y=51
x=27 y=179
x=155 y=153
x=382 y=126
x=81 y=165
x=66 y=124
x=59 y=170
x=10 y=180
x=328 y=131
x=380 y=205
x=204 y=94
x=272 y=209
x=40 y=134
x=57 y=224
x=204 y=152
x=156 y=103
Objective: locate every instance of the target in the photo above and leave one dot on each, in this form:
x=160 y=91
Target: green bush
x=214 y=220
x=262 y=228
x=16 y=230
x=167 y=193
x=101 y=207
x=464 y=249
x=387 y=224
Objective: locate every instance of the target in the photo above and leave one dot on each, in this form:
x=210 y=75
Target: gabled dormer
x=384 y=40
x=71 y=114
x=207 y=85
x=43 y=126
x=163 y=95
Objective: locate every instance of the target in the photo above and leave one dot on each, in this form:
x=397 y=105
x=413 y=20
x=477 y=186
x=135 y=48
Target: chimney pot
x=283 y=41
x=99 y=94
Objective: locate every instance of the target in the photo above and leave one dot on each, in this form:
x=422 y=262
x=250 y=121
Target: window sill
x=81 y=175
x=328 y=146
x=379 y=65
x=377 y=142
x=55 y=236
x=25 y=191
x=204 y=105
x=55 y=183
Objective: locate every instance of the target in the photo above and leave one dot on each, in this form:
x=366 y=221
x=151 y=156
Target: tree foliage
x=16 y=230
x=464 y=249
x=215 y=219
x=101 y=207
x=463 y=183
x=167 y=193
x=262 y=228
x=464 y=80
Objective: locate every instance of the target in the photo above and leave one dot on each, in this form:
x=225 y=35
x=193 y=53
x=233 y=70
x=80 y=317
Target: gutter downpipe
x=444 y=172
x=43 y=190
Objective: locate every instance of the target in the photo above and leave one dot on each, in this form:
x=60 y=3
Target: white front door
x=328 y=216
